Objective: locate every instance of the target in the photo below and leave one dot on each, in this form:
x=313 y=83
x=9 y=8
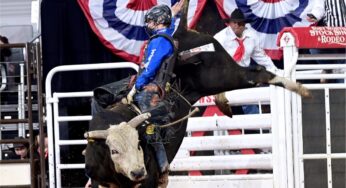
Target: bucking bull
x=117 y=156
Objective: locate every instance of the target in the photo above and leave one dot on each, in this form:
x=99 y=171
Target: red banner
x=316 y=37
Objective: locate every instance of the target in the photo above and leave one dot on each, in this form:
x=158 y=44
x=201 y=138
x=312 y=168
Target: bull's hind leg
x=258 y=74
x=290 y=85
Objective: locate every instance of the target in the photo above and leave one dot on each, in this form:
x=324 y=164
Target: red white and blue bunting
x=119 y=23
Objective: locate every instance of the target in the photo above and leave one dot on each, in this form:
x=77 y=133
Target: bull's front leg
x=222 y=103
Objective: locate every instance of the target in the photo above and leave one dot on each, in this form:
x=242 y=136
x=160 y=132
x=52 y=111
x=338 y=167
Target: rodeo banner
x=317 y=37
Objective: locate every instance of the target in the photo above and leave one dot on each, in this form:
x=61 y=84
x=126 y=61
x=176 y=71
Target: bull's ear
x=138 y=119
x=101 y=134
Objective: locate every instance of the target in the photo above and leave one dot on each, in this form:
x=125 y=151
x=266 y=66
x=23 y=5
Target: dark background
x=314 y=138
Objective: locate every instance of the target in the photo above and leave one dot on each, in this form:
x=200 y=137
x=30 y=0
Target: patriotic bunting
x=119 y=23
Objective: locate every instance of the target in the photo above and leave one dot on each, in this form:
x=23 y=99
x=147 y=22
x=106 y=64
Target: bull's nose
x=138 y=173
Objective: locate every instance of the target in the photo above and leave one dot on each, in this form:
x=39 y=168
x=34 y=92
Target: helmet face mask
x=150 y=27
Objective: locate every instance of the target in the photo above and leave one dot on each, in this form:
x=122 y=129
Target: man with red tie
x=243 y=44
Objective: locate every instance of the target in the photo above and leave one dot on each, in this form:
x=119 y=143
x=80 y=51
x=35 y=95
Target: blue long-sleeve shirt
x=158 y=49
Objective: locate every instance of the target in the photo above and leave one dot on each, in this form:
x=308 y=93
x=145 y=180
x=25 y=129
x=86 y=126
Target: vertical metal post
x=0 y=138
x=29 y=107
x=3 y=77
x=290 y=51
x=298 y=147
x=56 y=126
x=50 y=130
x=328 y=138
x=21 y=101
x=40 y=114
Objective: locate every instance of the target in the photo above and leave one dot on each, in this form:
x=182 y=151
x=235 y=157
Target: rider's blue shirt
x=157 y=50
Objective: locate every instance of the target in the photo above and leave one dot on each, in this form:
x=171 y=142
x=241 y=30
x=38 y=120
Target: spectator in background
x=243 y=44
x=45 y=145
x=22 y=149
x=9 y=68
x=38 y=146
x=330 y=13
x=5 y=52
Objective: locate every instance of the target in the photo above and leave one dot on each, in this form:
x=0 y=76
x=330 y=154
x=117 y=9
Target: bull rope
x=181 y=96
x=181 y=119
x=185 y=117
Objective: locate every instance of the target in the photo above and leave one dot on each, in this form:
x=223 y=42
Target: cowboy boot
x=154 y=139
x=161 y=157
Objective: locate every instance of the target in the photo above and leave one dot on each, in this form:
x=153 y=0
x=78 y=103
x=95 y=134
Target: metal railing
x=31 y=63
x=53 y=118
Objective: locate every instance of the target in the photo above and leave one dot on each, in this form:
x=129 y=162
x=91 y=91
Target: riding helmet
x=160 y=14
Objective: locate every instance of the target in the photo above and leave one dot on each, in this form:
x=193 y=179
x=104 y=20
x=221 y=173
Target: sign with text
x=316 y=37
x=205 y=101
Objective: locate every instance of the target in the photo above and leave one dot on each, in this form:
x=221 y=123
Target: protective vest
x=165 y=74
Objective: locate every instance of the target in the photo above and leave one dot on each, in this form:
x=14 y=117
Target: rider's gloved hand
x=130 y=95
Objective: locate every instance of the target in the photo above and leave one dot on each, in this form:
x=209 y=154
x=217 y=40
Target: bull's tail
x=223 y=104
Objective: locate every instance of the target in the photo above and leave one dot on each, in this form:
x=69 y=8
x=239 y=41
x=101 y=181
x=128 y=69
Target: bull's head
x=123 y=142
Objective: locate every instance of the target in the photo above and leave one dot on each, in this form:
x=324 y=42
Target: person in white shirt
x=243 y=44
x=330 y=13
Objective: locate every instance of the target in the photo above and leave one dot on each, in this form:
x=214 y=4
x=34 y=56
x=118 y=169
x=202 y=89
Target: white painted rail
x=222 y=181
x=234 y=142
x=253 y=121
x=241 y=96
x=182 y=162
x=257 y=161
x=52 y=109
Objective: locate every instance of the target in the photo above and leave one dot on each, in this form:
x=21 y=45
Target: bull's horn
x=138 y=119
x=101 y=134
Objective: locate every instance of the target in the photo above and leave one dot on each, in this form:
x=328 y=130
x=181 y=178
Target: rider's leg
x=153 y=138
x=161 y=156
x=149 y=102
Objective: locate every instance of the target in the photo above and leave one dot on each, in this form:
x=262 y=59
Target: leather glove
x=130 y=95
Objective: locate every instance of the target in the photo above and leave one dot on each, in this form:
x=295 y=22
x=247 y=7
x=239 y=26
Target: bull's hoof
x=303 y=91
x=222 y=103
